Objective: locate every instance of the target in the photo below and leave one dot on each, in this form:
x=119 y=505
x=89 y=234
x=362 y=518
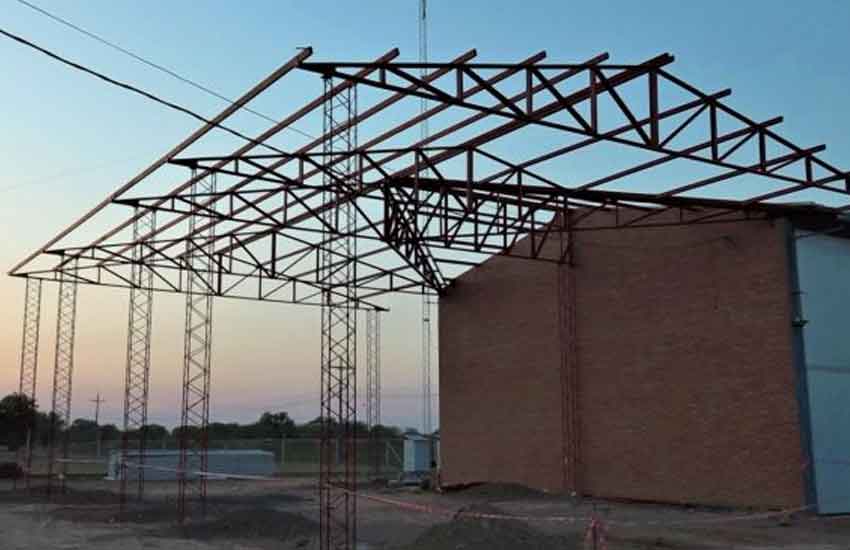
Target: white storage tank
x=162 y=465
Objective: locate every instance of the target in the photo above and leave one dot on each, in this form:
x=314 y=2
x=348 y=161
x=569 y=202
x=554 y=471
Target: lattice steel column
x=571 y=439
x=29 y=364
x=427 y=417
x=197 y=355
x=338 y=478
x=63 y=371
x=137 y=373
x=373 y=386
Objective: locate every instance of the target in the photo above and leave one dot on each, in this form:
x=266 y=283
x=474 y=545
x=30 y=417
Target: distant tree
x=361 y=429
x=311 y=429
x=386 y=432
x=83 y=429
x=275 y=425
x=156 y=432
x=177 y=432
x=17 y=417
x=83 y=425
x=109 y=432
x=44 y=422
x=221 y=430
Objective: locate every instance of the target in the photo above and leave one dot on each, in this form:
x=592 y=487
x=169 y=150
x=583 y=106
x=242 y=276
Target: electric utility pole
x=97 y=401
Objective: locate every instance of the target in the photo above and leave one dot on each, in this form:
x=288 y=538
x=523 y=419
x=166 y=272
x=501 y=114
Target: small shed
x=418 y=452
x=162 y=465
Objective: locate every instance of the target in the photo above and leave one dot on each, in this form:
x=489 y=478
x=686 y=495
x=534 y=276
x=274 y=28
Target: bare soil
x=489 y=534
x=284 y=515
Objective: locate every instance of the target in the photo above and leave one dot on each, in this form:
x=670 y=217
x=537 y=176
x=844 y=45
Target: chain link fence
x=297 y=457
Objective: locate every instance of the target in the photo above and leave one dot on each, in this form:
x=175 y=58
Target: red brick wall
x=500 y=410
x=686 y=386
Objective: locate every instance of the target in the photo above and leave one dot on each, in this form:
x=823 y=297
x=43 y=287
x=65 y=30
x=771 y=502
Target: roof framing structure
x=527 y=152
x=494 y=170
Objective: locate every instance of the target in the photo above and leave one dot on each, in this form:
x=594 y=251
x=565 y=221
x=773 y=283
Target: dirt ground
x=284 y=514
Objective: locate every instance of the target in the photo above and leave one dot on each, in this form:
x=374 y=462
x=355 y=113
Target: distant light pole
x=97 y=401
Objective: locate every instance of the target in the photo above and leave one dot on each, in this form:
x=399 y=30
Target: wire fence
x=292 y=456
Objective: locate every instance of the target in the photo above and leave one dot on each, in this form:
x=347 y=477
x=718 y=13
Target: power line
x=136 y=90
x=153 y=65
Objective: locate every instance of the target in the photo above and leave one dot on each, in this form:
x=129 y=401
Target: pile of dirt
x=138 y=513
x=488 y=534
x=252 y=524
x=499 y=491
x=70 y=497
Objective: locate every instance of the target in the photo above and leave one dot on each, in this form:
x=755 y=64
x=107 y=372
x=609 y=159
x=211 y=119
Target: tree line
x=19 y=414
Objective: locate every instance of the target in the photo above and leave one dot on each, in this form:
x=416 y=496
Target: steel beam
x=293 y=118
x=176 y=150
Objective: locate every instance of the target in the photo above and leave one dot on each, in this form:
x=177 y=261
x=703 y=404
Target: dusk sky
x=67 y=140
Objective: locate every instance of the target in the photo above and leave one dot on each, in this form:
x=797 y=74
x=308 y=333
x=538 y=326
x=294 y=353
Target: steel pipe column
x=63 y=371
x=197 y=354
x=337 y=273
x=137 y=373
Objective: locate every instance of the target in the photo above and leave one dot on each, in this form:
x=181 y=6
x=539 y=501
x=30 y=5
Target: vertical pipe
x=653 y=108
x=798 y=344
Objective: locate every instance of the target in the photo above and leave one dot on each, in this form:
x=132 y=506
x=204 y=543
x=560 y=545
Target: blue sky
x=67 y=140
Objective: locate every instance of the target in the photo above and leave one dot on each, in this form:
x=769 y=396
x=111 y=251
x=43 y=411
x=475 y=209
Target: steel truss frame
x=197 y=360
x=282 y=226
x=137 y=373
x=63 y=375
x=373 y=386
x=337 y=270
x=29 y=365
